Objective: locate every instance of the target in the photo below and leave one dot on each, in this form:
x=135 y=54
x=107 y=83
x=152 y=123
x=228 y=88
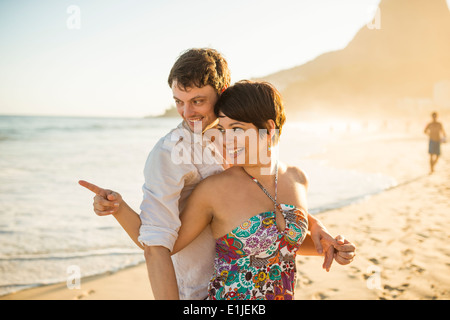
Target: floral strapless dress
x=256 y=260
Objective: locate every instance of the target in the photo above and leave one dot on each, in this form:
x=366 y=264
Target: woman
x=257 y=209
x=259 y=220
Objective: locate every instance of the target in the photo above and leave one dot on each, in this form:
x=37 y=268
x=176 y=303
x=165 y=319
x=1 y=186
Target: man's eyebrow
x=196 y=97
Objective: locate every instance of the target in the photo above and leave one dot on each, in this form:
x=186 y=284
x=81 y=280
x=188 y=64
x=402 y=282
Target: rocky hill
x=397 y=65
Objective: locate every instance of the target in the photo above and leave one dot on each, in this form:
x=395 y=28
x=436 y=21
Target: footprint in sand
x=303 y=280
x=84 y=295
x=390 y=292
x=375 y=240
x=416 y=268
x=407 y=252
x=408 y=255
x=353 y=272
x=322 y=295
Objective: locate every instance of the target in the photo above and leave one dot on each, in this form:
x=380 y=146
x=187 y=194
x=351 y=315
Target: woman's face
x=243 y=142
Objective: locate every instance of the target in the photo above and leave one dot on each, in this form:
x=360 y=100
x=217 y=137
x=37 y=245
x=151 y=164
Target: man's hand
x=323 y=241
x=345 y=251
x=106 y=201
x=339 y=249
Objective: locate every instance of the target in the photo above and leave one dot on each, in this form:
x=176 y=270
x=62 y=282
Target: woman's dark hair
x=252 y=102
x=200 y=67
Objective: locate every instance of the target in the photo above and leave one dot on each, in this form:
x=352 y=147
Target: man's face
x=196 y=104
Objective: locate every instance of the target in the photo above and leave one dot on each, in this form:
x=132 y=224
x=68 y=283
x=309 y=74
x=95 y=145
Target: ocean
x=47 y=225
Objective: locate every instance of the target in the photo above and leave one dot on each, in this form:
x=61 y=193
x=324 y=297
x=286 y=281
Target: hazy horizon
x=114 y=60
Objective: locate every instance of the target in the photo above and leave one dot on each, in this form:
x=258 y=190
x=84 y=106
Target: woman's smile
x=235 y=152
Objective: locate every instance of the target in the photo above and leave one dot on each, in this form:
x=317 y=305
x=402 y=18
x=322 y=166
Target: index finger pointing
x=95 y=189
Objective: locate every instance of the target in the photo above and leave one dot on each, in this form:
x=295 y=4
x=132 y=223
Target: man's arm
x=196 y=215
x=165 y=184
x=339 y=249
x=316 y=228
x=308 y=248
x=427 y=128
x=159 y=263
x=318 y=234
x=161 y=273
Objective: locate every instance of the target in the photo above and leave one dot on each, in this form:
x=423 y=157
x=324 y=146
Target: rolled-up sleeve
x=164 y=183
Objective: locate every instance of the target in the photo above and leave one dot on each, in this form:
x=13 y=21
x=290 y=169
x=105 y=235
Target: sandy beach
x=400 y=233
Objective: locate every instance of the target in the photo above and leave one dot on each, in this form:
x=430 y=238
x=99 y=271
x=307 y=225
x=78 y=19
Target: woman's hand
x=106 y=201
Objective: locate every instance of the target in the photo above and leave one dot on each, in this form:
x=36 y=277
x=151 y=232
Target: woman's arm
x=196 y=214
x=108 y=202
x=130 y=222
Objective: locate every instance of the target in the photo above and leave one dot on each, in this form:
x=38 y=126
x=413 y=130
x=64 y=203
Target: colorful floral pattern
x=256 y=261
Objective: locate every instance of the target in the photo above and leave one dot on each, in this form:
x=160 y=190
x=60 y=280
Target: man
x=197 y=79
x=434 y=129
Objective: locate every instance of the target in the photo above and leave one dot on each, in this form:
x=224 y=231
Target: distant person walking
x=436 y=132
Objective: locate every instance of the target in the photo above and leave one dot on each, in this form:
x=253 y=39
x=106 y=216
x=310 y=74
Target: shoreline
x=398 y=236
x=111 y=285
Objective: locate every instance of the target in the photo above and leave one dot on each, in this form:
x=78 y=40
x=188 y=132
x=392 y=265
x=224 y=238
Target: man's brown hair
x=252 y=102
x=200 y=67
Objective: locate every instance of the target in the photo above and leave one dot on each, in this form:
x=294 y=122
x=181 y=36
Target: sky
x=112 y=58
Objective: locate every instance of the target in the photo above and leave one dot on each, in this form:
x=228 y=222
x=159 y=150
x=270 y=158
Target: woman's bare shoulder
x=297 y=174
x=218 y=181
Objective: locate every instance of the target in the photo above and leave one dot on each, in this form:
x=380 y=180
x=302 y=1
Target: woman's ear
x=271 y=124
x=271 y=129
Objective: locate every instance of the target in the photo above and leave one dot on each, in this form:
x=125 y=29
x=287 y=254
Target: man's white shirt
x=171 y=172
